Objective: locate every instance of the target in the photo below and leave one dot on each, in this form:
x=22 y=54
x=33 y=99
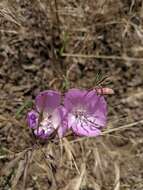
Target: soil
x=60 y=45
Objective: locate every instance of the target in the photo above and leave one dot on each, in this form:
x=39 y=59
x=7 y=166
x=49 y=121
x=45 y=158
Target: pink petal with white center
x=74 y=98
x=59 y=120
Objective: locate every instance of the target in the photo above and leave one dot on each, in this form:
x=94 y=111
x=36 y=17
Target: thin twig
x=57 y=16
x=110 y=131
x=114 y=57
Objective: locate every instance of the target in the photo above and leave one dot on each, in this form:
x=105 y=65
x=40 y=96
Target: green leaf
x=20 y=110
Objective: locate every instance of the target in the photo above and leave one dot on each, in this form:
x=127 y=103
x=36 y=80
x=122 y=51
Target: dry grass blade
x=19 y=173
x=80 y=178
x=7 y=14
x=68 y=148
x=114 y=57
x=133 y=96
x=61 y=151
x=47 y=164
x=98 y=164
x=42 y=6
x=12 y=120
x=28 y=161
x=13 y=163
x=70 y=153
x=94 y=185
x=8 y=31
x=117 y=177
x=123 y=127
x=48 y=172
x=76 y=183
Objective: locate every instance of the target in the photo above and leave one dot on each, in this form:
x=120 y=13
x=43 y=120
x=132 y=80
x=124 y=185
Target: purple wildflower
x=87 y=112
x=49 y=115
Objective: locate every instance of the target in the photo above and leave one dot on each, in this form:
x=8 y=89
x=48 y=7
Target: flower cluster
x=84 y=112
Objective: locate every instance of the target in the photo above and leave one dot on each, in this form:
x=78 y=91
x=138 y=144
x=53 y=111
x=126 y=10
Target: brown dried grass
x=78 y=164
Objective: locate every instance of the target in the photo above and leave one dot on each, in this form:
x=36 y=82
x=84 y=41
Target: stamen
x=47 y=125
x=85 y=121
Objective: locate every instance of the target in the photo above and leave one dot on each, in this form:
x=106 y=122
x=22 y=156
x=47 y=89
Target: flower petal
x=43 y=132
x=85 y=128
x=59 y=120
x=39 y=131
x=32 y=118
x=47 y=101
x=97 y=107
x=71 y=120
x=74 y=98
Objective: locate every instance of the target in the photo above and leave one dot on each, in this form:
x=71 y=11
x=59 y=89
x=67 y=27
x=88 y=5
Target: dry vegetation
x=59 y=44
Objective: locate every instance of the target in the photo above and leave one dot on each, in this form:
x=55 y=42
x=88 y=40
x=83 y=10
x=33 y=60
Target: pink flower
x=87 y=112
x=49 y=116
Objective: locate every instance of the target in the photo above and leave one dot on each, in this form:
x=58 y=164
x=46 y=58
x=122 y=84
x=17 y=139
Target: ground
x=59 y=45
